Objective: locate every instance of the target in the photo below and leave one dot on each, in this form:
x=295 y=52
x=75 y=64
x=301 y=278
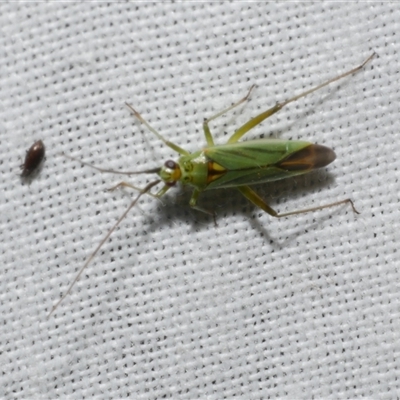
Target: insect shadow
x=229 y=202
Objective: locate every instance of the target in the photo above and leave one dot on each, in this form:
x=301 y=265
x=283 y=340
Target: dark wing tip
x=311 y=157
x=322 y=155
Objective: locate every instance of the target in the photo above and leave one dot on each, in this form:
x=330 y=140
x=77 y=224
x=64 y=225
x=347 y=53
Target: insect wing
x=263 y=160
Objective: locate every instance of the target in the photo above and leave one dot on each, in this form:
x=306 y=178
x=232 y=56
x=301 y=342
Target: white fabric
x=172 y=306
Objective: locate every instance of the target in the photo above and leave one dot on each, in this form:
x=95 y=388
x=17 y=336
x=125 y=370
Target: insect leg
x=158 y=195
x=127 y=184
x=251 y=195
x=206 y=128
x=278 y=106
x=193 y=204
x=171 y=145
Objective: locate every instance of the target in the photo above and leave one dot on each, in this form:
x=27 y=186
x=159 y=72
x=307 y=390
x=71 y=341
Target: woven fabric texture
x=174 y=306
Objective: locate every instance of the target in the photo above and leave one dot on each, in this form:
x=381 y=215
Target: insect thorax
x=193 y=169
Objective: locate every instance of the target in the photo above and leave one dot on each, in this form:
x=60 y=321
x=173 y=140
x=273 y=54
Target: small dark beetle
x=34 y=156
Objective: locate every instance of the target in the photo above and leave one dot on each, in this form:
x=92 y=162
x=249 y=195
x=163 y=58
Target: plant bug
x=231 y=165
x=34 y=157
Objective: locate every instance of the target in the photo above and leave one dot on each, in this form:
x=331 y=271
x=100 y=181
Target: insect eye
x=170 y=164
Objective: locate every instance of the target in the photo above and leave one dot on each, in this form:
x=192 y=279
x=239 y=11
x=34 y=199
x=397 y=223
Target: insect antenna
x=112 y=171
x=142 y=192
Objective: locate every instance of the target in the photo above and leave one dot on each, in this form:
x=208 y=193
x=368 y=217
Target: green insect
x=232 y=165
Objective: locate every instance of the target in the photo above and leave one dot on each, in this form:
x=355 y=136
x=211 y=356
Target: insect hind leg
x=252 y=196
x=278 y=106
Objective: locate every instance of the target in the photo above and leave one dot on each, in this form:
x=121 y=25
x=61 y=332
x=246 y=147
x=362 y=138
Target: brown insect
x=34 y=156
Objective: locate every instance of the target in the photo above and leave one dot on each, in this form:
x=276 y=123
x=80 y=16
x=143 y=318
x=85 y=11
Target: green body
x=238 y=164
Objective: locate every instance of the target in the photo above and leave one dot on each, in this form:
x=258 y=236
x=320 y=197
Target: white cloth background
x=172 y=306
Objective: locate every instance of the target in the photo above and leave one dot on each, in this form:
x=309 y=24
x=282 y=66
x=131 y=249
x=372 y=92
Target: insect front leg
x=171 y=145
x=206 y=128
x=251 y=195
x=129 y=185
x=158 y=195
